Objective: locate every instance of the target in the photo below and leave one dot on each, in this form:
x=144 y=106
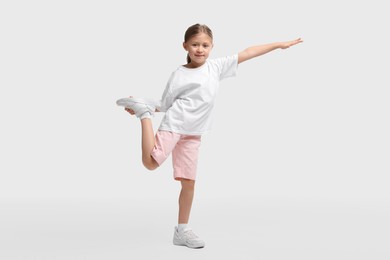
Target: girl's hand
x=130 y=111
x=285 y=45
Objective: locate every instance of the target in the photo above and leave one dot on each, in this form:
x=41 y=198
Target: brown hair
x=194 y=30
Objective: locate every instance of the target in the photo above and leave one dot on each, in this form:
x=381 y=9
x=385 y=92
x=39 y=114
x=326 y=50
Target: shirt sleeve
x=227 y=66
x=167 y=97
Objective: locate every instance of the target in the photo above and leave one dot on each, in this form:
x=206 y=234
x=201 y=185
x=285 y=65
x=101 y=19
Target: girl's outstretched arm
x=258 y=50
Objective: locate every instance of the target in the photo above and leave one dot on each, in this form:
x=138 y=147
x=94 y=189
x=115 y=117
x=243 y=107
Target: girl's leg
x=185 y=200
x=148 y=141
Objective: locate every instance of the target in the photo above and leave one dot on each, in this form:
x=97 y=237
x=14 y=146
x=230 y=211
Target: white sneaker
x=142 y=107
x=187 y=238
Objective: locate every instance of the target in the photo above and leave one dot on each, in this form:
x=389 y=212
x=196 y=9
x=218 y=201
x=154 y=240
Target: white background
x=296 y=166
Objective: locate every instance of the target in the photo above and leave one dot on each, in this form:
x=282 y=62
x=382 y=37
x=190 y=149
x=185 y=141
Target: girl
x=188 y=102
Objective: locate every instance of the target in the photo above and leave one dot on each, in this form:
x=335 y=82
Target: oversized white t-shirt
x=190 y=94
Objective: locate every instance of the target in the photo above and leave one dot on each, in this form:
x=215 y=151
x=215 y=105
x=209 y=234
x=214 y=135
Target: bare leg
x=185 y=200
x=148 y=141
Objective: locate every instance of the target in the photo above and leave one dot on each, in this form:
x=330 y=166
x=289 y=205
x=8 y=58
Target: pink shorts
x=184 y=149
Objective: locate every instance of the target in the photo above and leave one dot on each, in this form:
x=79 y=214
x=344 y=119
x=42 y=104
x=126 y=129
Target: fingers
x=299 y=40
x=291 y=43
x=130 y=111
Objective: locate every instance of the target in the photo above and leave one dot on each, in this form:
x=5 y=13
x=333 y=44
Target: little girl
x=188 y=102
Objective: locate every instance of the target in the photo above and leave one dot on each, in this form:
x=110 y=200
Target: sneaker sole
x=127 y=102
x=193 y=247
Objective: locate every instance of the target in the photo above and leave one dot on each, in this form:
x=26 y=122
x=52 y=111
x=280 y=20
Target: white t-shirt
x=190 y=94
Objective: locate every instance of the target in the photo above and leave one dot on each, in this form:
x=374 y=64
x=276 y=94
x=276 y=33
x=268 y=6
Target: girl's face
x=198 y=47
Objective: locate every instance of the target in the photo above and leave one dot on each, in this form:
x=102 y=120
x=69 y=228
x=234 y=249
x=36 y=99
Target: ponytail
x=188 y=59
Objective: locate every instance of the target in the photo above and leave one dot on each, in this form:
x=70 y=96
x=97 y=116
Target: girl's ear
x=184 y=45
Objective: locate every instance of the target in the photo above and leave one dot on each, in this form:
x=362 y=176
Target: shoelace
x=189 y=234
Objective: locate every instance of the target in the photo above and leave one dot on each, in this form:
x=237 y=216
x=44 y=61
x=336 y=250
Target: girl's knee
x=150 y=163
x=187 y=183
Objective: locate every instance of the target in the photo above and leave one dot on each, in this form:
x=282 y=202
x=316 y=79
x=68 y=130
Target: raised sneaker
x=142 y=107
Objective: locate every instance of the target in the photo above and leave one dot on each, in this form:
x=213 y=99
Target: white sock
x=181 y=227
x=145 y=115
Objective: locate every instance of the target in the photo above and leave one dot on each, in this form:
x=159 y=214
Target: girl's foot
x=187 y=238
x=142 y=108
